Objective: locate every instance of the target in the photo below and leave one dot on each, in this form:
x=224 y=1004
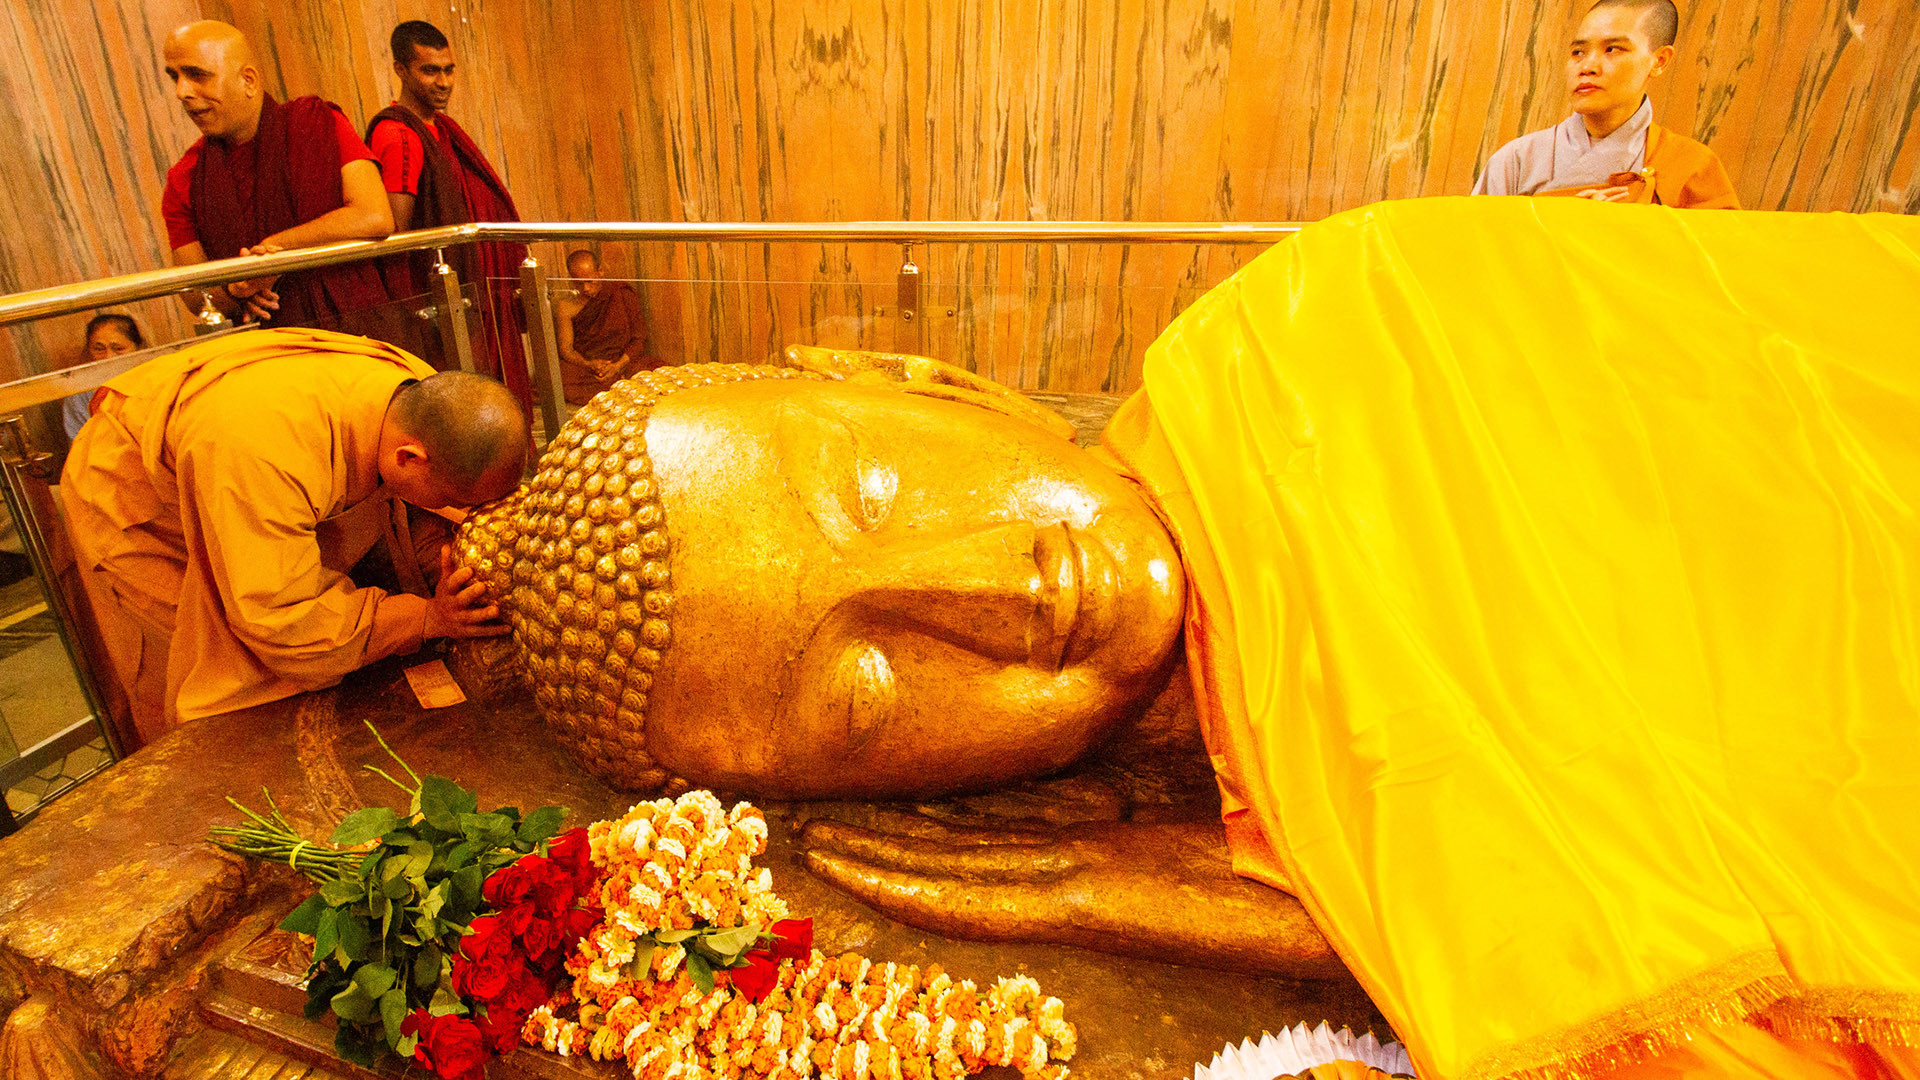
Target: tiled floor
x=39 y=696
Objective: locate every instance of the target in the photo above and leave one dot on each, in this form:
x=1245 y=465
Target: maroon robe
x=458 y=185
x=296 y=169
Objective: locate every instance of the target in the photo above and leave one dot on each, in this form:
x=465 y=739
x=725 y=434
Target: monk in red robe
x=218 y=496
x=435 y=174
x=602 y=333
x=1610 y=149
x=266 y=176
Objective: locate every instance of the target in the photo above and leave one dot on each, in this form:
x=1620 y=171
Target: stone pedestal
x=130 y=947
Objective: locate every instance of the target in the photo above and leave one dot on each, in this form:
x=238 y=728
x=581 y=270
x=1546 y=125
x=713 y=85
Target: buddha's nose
x=977 y=588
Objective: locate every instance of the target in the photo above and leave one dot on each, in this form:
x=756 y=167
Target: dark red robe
x=457 y=185
x=296 y=168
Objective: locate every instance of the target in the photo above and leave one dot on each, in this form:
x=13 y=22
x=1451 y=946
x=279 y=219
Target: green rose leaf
x=419 y=857
x=442 y=802
x=491 y=829
x=326 y=934
x=426 y=966
x=364 y=825
x=542 y=824
x=445 y=1003
x=343 y=892
x=353 y=1044
x=305 y=919
x=392 y=867
x=466 y=887
x=642 y=958
x=393 y=1011
x=353 y=1005
x=397 y=888
x=463 y=853
x=727 y=945
x=406 y=1045
x=374 y=979
x=355 y=936
x=700 y=971
x=673 y=937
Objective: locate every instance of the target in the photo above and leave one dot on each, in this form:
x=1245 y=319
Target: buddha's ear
x=928 y=377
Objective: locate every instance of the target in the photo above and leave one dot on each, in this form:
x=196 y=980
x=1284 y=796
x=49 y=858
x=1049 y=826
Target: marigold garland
x=679 y=886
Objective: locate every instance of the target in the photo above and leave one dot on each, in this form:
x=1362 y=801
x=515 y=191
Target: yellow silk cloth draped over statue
x=1557 y=615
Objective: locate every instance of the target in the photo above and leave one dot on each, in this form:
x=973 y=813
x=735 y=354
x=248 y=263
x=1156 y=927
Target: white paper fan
x=1295 y=1050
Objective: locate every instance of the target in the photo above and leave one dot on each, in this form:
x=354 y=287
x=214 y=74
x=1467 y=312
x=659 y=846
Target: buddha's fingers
x=913 y=855
x=886 y=819
x=956 y=907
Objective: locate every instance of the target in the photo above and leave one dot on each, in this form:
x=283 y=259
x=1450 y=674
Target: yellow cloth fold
x=1556 y=575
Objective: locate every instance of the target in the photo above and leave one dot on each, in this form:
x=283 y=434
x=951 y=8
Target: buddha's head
x=856 y=574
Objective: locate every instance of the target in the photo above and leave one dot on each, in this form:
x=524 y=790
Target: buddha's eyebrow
x=805 y=442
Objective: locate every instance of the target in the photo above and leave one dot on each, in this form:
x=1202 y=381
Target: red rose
x=552 y=887
x=508 y=885
x=792 y=940
x=482 y=980
x=574 y=925
x=539 y=938
x=488 y=935
x=571 y=851
x=451 y=1046
x=757 y=978
x=501 y=1029
x=526 y=991
x=517 y=917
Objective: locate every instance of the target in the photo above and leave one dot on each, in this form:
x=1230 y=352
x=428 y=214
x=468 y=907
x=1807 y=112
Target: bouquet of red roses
x=437 y=940
x=510 y=959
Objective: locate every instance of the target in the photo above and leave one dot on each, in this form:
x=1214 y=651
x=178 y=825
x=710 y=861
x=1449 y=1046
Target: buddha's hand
x=1163 y=892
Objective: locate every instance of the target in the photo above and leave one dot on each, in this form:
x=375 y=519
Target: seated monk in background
x=1610 y=149
x=602 y=334
x=1567 y=681
x=219 y=494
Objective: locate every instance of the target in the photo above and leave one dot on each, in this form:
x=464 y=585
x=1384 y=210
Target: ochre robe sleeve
x=1710 y=188
x=252 y=520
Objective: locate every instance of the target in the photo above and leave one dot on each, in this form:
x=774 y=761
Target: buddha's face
x=880 y=593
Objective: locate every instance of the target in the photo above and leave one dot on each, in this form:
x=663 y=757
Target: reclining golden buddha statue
x=1545 y=575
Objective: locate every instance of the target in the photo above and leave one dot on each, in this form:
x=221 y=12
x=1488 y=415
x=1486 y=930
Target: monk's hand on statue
x=1161 y=891
x=1607 y=194
x=459 y=606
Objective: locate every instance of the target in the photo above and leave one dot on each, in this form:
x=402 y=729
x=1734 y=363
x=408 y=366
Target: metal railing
x=24 y=472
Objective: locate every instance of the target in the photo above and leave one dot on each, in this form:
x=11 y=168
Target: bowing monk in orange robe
x=1610 y=149
x=218 y=496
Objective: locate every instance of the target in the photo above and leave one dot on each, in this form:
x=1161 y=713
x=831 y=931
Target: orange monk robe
x=1679 y=172
x=217 y=498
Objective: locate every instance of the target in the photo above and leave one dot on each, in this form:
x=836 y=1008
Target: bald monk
x=265 y=177
x=1610 y=149
x=218 y=496
x=602 y=335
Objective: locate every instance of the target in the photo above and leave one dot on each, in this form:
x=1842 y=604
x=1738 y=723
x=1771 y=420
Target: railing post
x=453 y=311
x=909 y=334
x=547 y=387
x=18 y=460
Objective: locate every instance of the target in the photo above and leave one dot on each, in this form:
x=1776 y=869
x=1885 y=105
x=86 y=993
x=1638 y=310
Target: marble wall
x=972 y=109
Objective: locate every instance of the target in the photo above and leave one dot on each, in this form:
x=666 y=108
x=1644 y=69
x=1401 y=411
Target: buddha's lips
x=1076 y=575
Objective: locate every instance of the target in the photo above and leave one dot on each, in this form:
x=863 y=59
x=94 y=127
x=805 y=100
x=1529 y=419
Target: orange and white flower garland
x=686 y=864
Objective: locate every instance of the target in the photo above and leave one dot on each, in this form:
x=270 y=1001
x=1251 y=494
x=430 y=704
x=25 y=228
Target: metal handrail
x=66 y=299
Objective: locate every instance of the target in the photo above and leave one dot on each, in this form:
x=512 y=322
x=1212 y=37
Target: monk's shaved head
x=217 y=41
x=1659 y=19
x=215 y=79
x=472 y=432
